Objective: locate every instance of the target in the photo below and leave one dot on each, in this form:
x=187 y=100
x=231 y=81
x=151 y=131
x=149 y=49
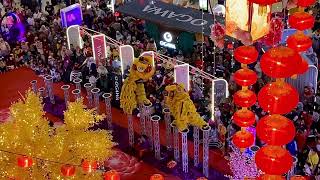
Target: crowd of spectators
x=45 y=51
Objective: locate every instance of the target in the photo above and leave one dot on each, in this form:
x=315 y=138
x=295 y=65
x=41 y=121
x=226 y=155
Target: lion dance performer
x=182 y=108
x=133 y=92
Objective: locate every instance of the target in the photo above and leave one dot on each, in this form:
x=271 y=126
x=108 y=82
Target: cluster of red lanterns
x=68 y=170
x=278 y=98
x=244 y=98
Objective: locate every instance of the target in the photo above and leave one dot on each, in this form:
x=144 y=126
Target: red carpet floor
x=13 y=82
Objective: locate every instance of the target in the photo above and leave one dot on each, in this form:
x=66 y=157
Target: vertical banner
x=117 y=85
x=99 y=49
x=220 y=90
x=73 y=37
x=181 y=75
x=126 y=54
x=71 y=15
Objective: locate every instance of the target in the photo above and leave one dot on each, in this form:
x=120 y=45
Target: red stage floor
x=19 y=81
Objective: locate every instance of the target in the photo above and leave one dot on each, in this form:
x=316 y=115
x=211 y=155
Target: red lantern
x=89 y=166
x=301 y=21
x=275 y=130
x=68 y=170
x=297 y=177
x=273 y=160
x=157 y=177
x=24 y=161
x=278 y=98
x=244 y=98
x=303 y=67
x=270 y=177
x=305 y=3
x=299 y=42
x=244 y=118
x=243 y=139
x=246 y=54
x=111 y=175
x=245 y=77
x=280 y=62
x=263 y=2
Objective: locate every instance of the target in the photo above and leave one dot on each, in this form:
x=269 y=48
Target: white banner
x=74 y=37
x=181 y=75
x=126 y=54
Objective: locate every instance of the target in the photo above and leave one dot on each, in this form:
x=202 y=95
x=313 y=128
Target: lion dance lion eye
x=148 y=69
x=134 y=67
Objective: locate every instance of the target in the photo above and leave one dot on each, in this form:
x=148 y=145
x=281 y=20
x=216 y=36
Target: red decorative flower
x=123 y=163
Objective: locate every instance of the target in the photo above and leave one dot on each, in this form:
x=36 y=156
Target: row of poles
x=149 y=125
x=93 y=94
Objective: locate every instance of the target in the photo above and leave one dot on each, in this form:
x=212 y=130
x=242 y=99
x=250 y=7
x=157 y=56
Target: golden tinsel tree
x=27 y=132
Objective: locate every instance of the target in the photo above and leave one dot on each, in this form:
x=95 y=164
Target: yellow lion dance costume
x=133 y=92
x=182 y=108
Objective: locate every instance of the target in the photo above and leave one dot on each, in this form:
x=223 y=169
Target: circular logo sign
x=167 y=37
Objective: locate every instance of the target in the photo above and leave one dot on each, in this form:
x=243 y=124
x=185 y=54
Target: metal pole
x=107 y=100
x=205 y=166
x=88 y=87
x=155 y=121
x=42 y=92
x=196 y=146
x=77 y=82
x=130 y=130
x=65 y=89
x=49 y=86
x=95 y=92
x=76 y=93
x=34 y=86
x=175 y=142
x=184 y=139
x=147 y=109
x=167 y=119
x=142 y=119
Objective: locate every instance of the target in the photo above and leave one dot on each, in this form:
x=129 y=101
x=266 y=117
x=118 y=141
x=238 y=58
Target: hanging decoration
x=244 y=98
x=274 y=36
x=25 y=161
x=273 y=160
x=278 y=98
x=182 y=108
x=217 y=35
x=280 y=62
x=273 y=126
x=247 y=21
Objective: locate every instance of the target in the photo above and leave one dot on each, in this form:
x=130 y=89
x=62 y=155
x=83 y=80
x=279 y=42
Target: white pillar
x=196 y=146
x=148 y=122
x=107 y=100
x=175 y=135
x=49 y=86
x=65 y=89
x=88 y=87
x=155 y=121
x=95 y=93
x=77 y=82
x=167 y=119
x=34 y=86
x=185 y=158
x=130 y=130
x=142 y=120
x=205 y=166
x=76 y=93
